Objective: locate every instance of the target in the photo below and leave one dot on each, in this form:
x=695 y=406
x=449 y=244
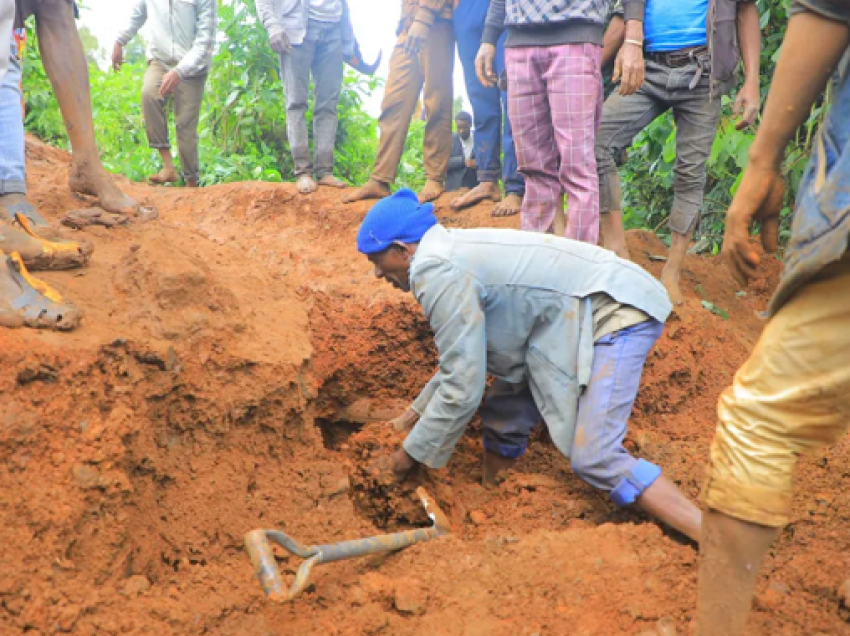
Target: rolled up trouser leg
x=508 y=415
x=598 y=455
x=791 y=396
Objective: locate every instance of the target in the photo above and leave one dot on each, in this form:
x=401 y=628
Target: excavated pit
x=237 y=368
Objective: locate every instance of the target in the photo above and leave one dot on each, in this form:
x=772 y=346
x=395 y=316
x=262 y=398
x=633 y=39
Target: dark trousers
x=489 y=105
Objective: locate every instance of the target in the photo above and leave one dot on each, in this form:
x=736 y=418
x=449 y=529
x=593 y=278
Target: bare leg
x=431 y=190
x=484 y=191
x=168 y=174
x=664 y=501
x=613 y=233
x=673 y=269
x=731 y=555
x=65 y=64
x=492 y=466
x=373 y=189
x=509 y=206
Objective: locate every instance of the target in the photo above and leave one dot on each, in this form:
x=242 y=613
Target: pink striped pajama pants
x=555 y=105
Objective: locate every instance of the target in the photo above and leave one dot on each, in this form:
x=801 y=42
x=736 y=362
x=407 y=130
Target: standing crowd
x=559 y=89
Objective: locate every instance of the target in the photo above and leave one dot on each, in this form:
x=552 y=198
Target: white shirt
x=468 y=146
x=325 y=10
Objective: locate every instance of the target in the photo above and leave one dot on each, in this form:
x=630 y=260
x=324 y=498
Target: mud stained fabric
x=319 y=55
x=182 y=33
x=516 y=305
x=555 y=104
x=428 y=73
x=187 y=98
x=696 y=116
x=792 y=396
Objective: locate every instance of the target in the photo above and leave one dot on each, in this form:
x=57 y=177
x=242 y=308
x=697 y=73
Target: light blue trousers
x=12 y=175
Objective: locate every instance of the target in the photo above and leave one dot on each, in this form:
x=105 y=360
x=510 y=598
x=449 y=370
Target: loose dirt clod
x=217 y=385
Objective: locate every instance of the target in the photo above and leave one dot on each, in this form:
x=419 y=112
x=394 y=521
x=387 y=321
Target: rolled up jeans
x=320 y=54
x=598 y=456
x=187 y=112
x=12 y=166
x=696 y=116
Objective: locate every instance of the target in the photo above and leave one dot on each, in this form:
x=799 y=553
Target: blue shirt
x=517 y=305
x=671 y=25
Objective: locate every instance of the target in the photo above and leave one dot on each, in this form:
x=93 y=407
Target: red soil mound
x=230 y=356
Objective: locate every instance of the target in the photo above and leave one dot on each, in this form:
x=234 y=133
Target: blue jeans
x=12 y=173
x=598 y=455
x=489 y=105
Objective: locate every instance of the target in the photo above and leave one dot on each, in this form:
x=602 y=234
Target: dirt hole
x=336 y=433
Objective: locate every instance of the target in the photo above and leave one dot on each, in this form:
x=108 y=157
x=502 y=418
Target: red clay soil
x=234 y=370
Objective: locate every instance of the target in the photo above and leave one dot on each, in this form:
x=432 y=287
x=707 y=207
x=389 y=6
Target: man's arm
x=801 y=76
x=629 y=66
x=452 y=300
x=269 y=17
x=748 y=101
x=197 y=60
x=137 y=20
x=456 y=160
x=613 y=39
x=494 y=24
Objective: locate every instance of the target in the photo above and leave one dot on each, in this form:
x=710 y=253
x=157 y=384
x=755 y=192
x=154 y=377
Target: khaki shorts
x=790 y=397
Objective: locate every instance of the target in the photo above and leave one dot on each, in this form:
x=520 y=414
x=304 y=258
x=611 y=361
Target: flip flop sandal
x=11 y=214
x=39 y=253
x=38 y=305
x=79 y=219
x=67 y=253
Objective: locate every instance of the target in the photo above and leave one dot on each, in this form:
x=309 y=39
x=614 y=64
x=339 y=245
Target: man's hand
x=117 y=57
x=484 y=65
x=280 y=43
x=416 y=37
x=759 y=198
x=169 y=83
x=470 y=163
x=747 y=105
x=405 y=421
x=392 y=469
x=629 y=68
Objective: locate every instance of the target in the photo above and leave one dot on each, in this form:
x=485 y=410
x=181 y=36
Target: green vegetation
x=243 y=125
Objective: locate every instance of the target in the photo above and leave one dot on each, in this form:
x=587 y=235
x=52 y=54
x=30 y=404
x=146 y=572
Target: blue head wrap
x=398 y=217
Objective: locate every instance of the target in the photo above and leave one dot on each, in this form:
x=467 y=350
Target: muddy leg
x=673 y=269
x=664 y=501
x=732 y=553
x=65 y=64
x=613 y=233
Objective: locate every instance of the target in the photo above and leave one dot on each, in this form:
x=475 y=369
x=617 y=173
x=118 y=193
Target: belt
x=682 y=57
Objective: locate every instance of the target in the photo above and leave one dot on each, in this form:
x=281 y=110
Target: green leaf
x=717 y=311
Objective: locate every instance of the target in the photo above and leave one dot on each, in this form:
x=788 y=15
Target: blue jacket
x=516 y=305
x=821 y=226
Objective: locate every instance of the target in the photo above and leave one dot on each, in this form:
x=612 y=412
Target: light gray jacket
x=517 y=305
x=291 y=16
x=7 y=19
x=182 y=33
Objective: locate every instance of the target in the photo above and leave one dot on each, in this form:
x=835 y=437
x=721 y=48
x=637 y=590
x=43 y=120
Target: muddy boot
x=493 y=465
x=28 y=302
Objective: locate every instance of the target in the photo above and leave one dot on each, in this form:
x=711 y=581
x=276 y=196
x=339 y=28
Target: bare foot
x=372 y=190
x=492 y=466
x=305 y=184
x=332 y=182
x=485 y=191
x=511 y=205
x=431 y=191
x=164 y=176
x=191 y=183
x=670 y=280
x=98 y=183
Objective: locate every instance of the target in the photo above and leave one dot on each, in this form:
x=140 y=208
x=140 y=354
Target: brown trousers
x=432 y=69
x=187 y=111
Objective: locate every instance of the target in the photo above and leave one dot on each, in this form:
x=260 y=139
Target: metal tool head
x=258 y=544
